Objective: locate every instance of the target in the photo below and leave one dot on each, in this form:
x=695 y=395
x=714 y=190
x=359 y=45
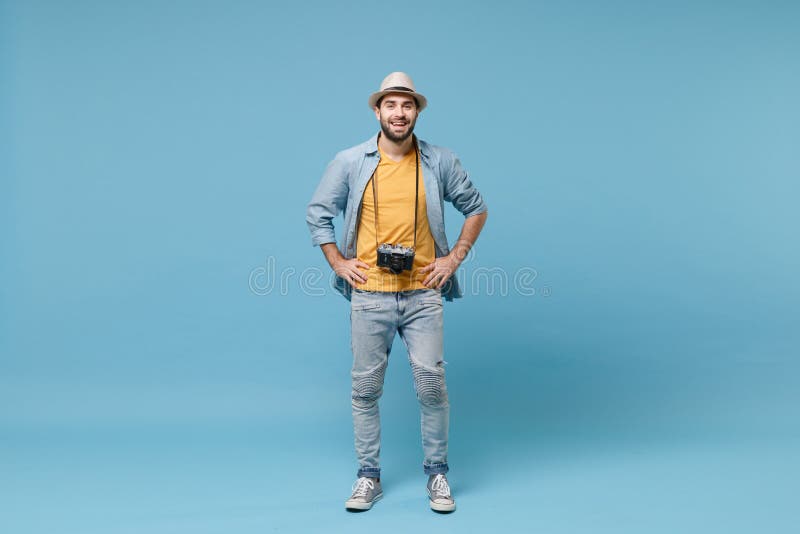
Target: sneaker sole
x=436 y=507
x=358 y=505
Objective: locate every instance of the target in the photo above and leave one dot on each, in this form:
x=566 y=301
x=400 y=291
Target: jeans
x=375 y=318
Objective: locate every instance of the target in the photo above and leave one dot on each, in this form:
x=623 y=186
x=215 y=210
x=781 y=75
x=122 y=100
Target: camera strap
x=416 y=196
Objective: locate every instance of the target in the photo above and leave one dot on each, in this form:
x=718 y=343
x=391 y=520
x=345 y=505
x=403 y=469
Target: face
x=398 y=115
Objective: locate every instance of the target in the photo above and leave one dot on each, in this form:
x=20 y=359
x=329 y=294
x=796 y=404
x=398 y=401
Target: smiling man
x=395 y=266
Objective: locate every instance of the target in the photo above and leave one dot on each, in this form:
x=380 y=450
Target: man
x=395 y=266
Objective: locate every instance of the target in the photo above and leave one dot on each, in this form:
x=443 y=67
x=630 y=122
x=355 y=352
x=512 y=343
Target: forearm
x=441 y=269
x=332 y=254
x=469 y=234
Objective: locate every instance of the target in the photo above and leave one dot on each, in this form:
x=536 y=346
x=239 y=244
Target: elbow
x=481 y=214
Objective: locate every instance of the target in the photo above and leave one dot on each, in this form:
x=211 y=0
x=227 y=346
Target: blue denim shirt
x=342 y=187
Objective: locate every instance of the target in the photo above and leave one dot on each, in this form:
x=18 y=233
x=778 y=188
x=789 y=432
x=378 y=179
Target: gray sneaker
x=439 y=492
x=365 y=492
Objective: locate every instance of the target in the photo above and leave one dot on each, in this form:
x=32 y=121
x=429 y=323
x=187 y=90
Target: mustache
x=389 y=132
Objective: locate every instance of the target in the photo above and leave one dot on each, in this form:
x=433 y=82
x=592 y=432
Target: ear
x=377 y=113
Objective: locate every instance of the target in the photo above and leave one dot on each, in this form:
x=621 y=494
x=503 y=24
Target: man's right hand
x=350 y=270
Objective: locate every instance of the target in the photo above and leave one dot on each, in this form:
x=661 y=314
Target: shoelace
x=440 y=486
x=361 y=487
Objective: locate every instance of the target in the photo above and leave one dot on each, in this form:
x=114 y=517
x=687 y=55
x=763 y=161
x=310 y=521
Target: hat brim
x=422 y=102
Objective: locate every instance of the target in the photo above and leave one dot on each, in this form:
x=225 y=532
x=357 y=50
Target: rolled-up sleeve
x=328 y=201
x=458 y=188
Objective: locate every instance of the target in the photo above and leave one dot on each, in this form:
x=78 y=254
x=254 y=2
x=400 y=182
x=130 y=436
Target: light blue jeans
x=375 y=318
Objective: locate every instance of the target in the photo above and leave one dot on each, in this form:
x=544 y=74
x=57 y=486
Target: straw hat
x=398 y=82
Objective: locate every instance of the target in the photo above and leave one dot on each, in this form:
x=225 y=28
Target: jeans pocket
x=364 y=306
x=362 y=300
x=431 y=298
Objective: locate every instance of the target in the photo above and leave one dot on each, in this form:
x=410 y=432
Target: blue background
x=156 y=161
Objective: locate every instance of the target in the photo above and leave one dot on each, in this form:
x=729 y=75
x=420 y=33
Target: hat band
x=399 y=88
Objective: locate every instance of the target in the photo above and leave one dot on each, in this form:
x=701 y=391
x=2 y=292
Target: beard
x=386 y=128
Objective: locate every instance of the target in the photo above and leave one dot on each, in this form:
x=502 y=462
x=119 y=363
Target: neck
x=396 y=150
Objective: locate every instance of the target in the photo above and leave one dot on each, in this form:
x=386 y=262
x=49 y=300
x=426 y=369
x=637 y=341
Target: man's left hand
x=441 y=269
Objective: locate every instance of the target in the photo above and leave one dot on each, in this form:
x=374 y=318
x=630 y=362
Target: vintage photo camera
x=396 y=258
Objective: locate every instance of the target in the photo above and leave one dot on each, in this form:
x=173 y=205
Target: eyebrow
x=395 y=101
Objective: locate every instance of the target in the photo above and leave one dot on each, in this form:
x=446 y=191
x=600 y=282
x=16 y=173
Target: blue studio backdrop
x=172 y=358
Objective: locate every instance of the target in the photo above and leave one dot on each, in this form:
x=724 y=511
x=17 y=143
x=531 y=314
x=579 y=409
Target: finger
x=445 y=277
x=353 y=274
x=427 y=268
x=360 y=263
x=431 y=279
x=442 y=280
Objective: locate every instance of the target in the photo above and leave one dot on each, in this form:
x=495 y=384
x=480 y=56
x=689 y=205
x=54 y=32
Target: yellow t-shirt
x=396 y=183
